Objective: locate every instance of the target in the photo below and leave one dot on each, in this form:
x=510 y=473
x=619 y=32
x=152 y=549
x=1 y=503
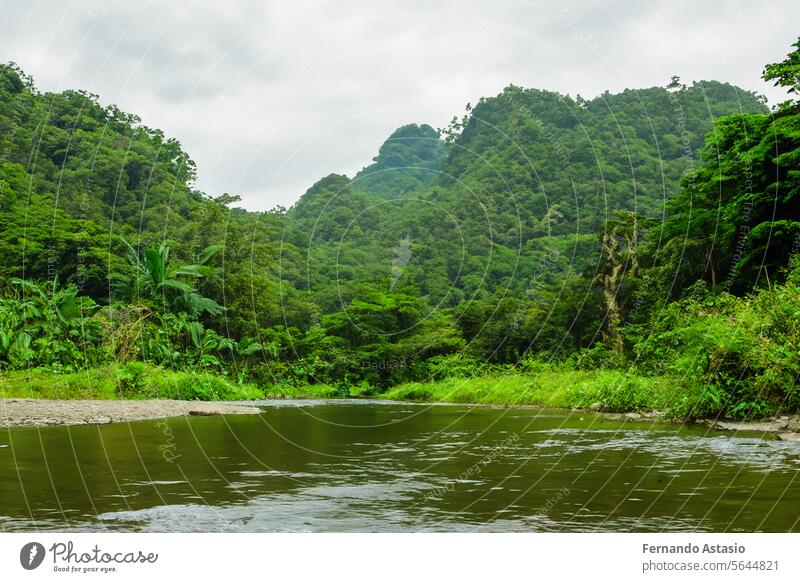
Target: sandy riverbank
x=35 y=412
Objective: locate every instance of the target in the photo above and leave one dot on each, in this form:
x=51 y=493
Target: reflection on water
x=370 y=466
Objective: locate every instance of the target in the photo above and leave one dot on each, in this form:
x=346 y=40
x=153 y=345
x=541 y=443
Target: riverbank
x=136 y=391
x=32 y=412
x=132 y=381
x=610 y=390
x=596 y=390
x=613 y=394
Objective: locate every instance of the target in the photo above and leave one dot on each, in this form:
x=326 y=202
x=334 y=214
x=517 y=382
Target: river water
x=372 y=466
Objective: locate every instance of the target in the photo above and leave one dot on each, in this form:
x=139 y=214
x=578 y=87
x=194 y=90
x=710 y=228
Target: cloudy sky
x=268 y=96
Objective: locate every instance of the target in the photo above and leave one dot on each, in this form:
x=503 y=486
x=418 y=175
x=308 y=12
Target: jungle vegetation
x=636 y=250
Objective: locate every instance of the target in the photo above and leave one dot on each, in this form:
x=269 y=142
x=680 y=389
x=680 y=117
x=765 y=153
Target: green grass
x=615 y=390
x=98 y=384
x=301 y=392
x=552 y=387
x=129 y=381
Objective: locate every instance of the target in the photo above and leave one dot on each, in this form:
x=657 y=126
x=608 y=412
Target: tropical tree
x=737 y=218
x=787 y=72
x=619 y=263
x=168 y=287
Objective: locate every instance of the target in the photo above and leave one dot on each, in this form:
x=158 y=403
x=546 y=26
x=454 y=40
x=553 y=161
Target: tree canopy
x=536 y=225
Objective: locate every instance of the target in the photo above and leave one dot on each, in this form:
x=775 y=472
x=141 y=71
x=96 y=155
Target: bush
x=206 y=386
x=737 y=357
x=363 y=390
x=692 y=400
x=138 y=380
x=414 y=392
x=131 y=380
x=599 y=357
x=454 y=366
x=535 y=366
x=283 y=390
x=627 y=393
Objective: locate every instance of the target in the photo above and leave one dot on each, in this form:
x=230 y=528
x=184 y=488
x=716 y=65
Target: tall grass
x=612 y=390
x=131 y=381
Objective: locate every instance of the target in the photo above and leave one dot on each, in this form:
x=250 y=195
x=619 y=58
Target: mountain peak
x=409 y=160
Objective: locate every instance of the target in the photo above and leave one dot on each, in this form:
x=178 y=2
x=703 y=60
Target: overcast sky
x=269 y=96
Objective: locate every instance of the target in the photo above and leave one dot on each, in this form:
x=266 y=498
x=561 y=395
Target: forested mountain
x=515 y=207
x=74 y=173
x=537 y=225
x=408 y=161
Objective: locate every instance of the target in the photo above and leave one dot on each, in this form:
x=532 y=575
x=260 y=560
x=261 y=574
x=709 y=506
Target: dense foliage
x=649 y=234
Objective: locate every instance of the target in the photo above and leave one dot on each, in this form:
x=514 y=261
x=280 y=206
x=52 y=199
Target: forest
x=629 y=252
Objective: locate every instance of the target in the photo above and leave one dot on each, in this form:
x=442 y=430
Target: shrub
x=599 y=357
x=454 y=366
x=363 y=390
x=131 y=380
x=206 y=386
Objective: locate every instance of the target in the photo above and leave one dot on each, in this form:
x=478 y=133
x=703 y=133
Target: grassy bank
x=613 y=391
x=128 y=381
x=553 y=387
x=609 y=390
x=557 y=388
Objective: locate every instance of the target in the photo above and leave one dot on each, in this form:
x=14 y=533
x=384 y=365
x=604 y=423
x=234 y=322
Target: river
x=373 y=466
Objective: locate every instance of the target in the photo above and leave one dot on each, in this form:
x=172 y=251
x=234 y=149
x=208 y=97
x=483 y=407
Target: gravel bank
x=34 y=412
x=784 y=428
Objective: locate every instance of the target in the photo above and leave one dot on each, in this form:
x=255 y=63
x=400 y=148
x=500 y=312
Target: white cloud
x=268 y=96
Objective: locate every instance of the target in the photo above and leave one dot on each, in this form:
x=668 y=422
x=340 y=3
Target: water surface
x=371 y=466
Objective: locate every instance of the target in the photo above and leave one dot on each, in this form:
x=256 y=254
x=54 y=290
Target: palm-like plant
x=168 y=292
x=153 y=279
x=47 y=326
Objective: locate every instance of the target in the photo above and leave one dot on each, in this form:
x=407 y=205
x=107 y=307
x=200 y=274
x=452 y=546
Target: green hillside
x=650 y=232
